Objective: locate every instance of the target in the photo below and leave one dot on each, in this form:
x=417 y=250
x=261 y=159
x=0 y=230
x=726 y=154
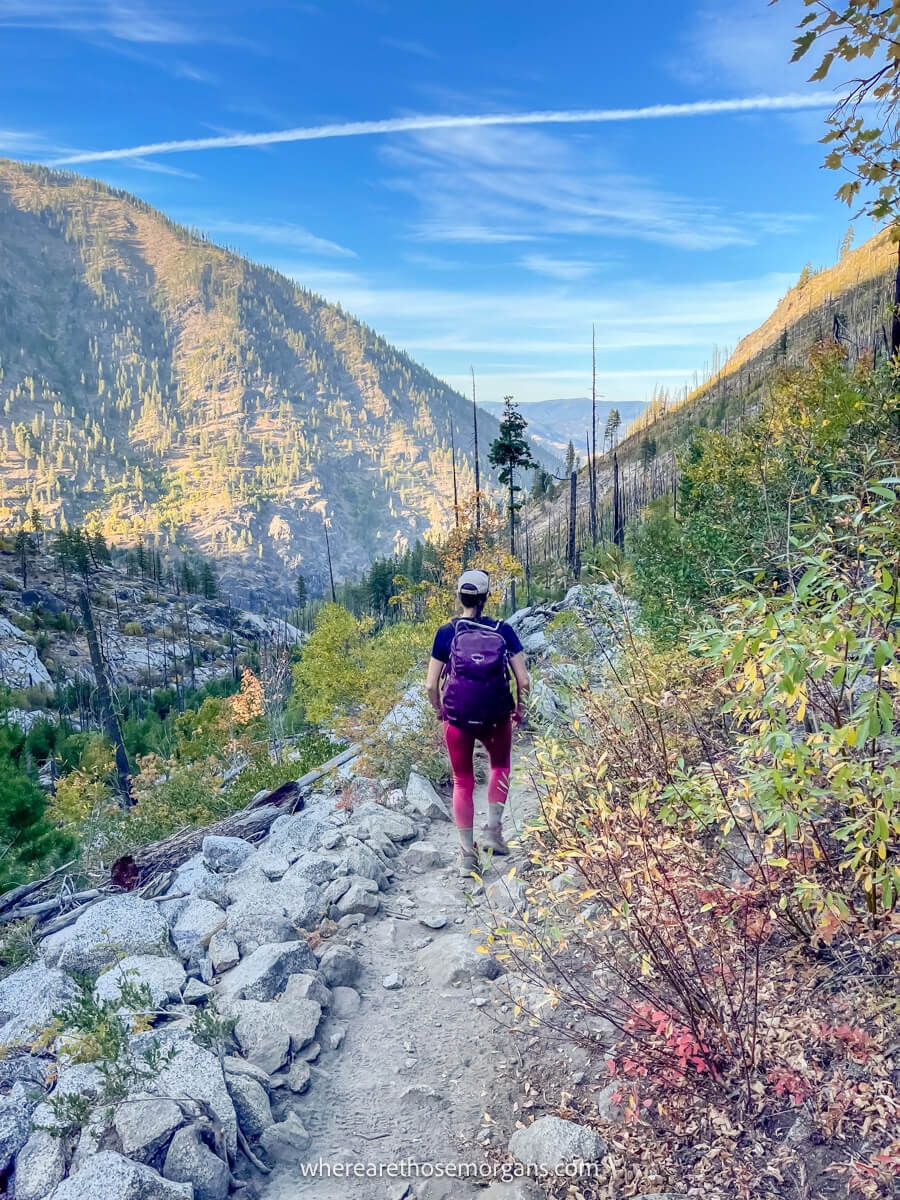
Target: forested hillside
x=154 y=384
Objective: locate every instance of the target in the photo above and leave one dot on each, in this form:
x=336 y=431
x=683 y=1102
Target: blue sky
x=488 y=245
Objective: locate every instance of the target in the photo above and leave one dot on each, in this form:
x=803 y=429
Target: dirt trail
x=421 y=1063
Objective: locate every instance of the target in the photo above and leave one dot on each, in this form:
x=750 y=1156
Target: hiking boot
x=468 y=865
x=493 y=840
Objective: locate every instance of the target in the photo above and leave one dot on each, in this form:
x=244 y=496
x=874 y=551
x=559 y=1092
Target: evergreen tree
x=510 y=452
x=301 y=592
x=570 y=458
x=613 y=421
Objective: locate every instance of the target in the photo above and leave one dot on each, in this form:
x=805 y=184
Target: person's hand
x=518 y=716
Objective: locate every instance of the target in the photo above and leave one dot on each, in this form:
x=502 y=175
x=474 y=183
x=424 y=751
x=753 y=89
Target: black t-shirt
x=444 y=637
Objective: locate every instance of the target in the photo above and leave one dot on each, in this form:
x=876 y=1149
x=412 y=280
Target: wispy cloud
x=278 y=233
x=406 y=46
x=419 y=123
x=565 y=269
x=129 y=22
x=532 y=185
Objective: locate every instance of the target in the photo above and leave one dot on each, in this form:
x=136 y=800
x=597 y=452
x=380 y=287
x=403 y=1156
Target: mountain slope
x=159 y=385
x=849 y=303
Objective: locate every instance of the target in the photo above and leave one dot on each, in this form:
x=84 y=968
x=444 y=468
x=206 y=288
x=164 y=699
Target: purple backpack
x=476 y=677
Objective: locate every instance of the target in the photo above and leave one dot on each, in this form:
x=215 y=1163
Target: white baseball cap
x=476 y=582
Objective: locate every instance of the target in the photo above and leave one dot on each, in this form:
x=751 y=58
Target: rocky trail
x=423 y=1057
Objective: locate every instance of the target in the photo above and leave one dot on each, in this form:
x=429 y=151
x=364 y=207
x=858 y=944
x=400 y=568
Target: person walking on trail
x=476 y=663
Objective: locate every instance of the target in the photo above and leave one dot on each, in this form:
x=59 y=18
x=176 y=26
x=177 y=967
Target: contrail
x=413 y=124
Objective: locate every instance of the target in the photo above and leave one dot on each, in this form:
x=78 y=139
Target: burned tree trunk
x=108 y=717
x=618 y=515
x=573 y=516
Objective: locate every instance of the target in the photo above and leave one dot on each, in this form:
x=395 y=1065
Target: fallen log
x=142 y=869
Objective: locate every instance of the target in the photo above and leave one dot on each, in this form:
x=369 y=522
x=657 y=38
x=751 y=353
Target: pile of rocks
x=598 y=605
x=253 y=943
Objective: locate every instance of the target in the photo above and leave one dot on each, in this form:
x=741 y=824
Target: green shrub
x=133 y=629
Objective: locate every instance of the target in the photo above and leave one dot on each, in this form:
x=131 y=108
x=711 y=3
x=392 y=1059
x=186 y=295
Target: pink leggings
x=497 y=740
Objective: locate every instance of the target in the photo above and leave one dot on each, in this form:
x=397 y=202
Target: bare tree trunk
x=453 y=463
x=108 y=717
x=618 y=517
x=573 y=513
x=330 y=568
x=477 y=463
x=895 y=320
x=187 y=627
x=593 y=456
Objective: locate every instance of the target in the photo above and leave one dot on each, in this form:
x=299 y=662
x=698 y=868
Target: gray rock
x=535 y=644
x=351 y=921
x=190 y=1161
x=422 y=798
x=28 y=999
x=15 y=1124
x=345 y=1001
x=253 y=922
x=552 y=1142
x=408 y=714
x=196 y=1074
x=360 y=897
x=234 y=1065
x=392 y=982
x=40 y=1166
x=225 y=854
x=369 y=818
x=334 y=1035
x=608 y=1107
x=333 y=892
x=223 y=952
x=311 y=868
x=29 y=1069
x=307 y=986
x=121 y=925
x=291 y=835
x=110 y=1176
x=513 y=1189
x=145 y=1125
x=434 y=920
x=195 y=878
x=271 y=864
x=196 y=924
x=196 y=991
x=361 y=860
x=263 y=1037
x=285 y=1141
x=424 y=855
x=251 y=1103
x=311 y=1052
x=164 y=977
x=339 y=965
x=301 y=1019
x=453 y=960
x=298 y=1076
x=263 y=974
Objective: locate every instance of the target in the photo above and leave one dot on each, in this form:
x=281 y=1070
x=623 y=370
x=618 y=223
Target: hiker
x=474 y=662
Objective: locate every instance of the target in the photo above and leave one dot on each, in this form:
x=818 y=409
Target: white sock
x=467 y=841
x=495 y=817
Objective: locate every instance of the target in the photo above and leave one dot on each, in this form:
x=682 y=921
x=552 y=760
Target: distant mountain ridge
x=552 y=424
x=157 y=385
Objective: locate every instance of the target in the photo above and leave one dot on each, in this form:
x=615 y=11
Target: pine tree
x=510 y=452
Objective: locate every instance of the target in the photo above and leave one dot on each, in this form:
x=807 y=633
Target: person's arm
x=519 y=667
x=433 y=683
